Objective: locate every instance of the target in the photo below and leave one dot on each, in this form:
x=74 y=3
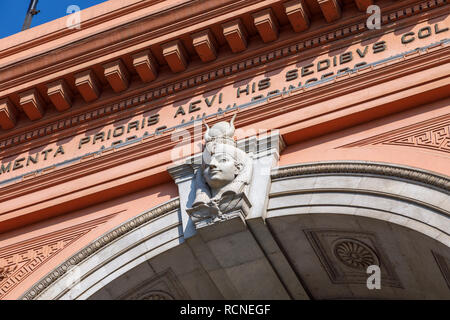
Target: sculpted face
x=220 y=170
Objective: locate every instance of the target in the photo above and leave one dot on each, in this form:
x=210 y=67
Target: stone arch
x=112 y=254
x=334 y=219
x=411 y=197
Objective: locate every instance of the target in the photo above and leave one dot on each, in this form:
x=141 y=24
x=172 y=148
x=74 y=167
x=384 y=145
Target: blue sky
x=12 y=12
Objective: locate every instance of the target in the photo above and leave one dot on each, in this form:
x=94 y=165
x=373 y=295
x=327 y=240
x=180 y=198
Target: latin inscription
x=220 y=101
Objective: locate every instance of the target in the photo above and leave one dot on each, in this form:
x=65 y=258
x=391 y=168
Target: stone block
x=331 y=9
x=145 y=66
x=297 y=15
x=88 y=85
x=7 y=114
x=60 y=94
x=32 y=104
x=205 y=45
x=175 y=55
x=235 y=35
x=266 y=24
x=117 y=75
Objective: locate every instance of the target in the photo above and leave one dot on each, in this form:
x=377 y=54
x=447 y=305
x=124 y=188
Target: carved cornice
x=336 y=86
x=155 y=26
x=314 y=43
x=97 y=245
x=364 y=168
x=90 y=23
x=132 y=106
x=159 y=143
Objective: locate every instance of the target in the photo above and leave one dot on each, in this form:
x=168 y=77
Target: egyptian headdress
x=220 y=139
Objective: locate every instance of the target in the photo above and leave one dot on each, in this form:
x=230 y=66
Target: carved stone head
x=222 y=164
x=221 y=133
x=221 y=170
x=226 y=170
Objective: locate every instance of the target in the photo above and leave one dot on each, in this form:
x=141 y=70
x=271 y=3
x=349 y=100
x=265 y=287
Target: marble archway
x=344 y=216
x=319 y=216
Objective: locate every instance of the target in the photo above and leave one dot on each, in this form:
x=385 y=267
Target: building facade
x=188 y=149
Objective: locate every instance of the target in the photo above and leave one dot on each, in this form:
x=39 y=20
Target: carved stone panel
x=20 y=260
x=345 y=255
x=444 y=266
x=432 y=134
x=162 y=286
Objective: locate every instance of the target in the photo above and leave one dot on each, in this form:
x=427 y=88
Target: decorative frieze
x=266 y=24
x=32 y=104
x=432 y=134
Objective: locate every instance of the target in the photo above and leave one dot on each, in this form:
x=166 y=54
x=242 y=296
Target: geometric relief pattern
x=433 y=134
x=345 y=255
x=444 y=266
x=354 y=254
x=19 y=260
x=163 y=286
